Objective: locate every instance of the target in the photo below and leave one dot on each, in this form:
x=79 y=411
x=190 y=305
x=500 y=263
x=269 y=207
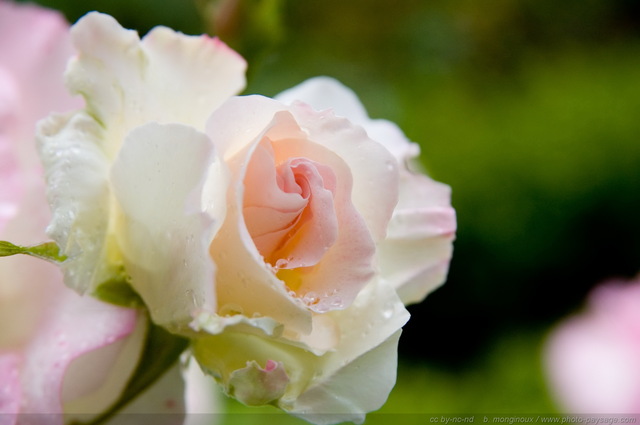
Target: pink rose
x=59 y=352
x=593 y=359
x=327 y=233
x=415 y=253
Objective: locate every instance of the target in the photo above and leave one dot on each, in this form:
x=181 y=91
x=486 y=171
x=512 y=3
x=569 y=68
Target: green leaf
x=162 y=349
x=48 y=251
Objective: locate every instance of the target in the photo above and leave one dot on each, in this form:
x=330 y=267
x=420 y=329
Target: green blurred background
x=527 y=108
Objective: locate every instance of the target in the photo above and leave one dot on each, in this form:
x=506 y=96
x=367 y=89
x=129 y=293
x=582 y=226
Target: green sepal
x=47 y=251
x=118 y=291
x=161 y=350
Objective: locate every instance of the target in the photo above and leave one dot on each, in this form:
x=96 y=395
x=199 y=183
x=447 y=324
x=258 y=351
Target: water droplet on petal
x=311 y=298
x=337 y=302
x=281 y=264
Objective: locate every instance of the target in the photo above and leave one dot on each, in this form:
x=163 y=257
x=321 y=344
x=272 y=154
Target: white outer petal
x=164 y=226
x=367 y=352
x=165 y=77
x=76 y=171
x=126 y=82
x=324 y=93
x=414 y=258
x=325 y=404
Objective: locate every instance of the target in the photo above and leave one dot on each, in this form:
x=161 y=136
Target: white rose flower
x=280 y=237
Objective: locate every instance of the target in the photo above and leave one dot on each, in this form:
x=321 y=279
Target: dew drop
x=311 y=298
x=281 y=264
x=388 y=310
x=337 y=302
x=190 y=294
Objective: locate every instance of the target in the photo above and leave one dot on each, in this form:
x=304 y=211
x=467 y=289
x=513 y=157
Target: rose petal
x=317 y=229
x=291 y=229
x=10 y=391
x=202 y=395
x=163 y=403
x=64 y=338
x=374 y=170
x=34 y=49
x=336 y=381
x=96 y=379
x=325 y=93
x=367 y=380
x=347 y=265
x=415 y=256
x=243 y=278
x=269 y=208
x=20 y=310
x=10 y=175
x=416 y=253
x=76 y=174
x=167 y=168
x=359 y=372
x=375 y=315
x=32 y=39
x=127 y=82
x=245 y=282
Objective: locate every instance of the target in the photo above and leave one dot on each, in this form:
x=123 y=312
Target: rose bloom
x=281 y=236
x=60 y=353
x=593 y=359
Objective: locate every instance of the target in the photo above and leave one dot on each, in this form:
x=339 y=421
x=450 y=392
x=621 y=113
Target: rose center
x=289 y=211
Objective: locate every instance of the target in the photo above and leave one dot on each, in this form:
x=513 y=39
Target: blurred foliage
x=253 y=27
x=527 y=108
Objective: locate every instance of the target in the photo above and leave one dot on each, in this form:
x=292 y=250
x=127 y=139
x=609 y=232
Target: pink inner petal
x=346 y=264
x=272 y=201
x=317 y=228
x=324 y=255
x=288 y=208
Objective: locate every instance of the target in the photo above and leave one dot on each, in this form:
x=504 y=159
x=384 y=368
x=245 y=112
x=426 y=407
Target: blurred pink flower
x=59 y=352
x=593 y=359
